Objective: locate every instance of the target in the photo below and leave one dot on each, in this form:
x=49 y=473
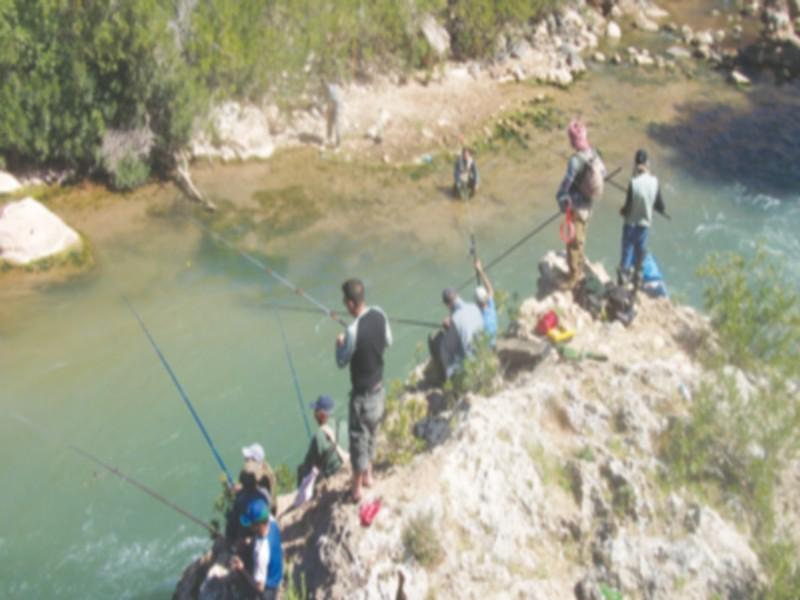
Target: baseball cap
x=253 y=452
x=323 y=403
x=256 y=512
x=481 y=294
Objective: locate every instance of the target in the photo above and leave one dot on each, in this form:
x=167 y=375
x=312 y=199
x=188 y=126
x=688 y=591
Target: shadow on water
x=755 y=145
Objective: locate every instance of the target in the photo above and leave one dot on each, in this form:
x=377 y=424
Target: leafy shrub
x=402 y=413
x=754 y=311
x=284 y=480
x=480 y=374
x=421 y=540
x=129 y=173
x=734 y=441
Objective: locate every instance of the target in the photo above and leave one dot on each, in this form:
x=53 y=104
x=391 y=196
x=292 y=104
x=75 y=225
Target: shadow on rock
x=756 y=146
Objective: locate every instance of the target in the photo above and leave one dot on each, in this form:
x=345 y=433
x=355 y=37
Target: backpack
x=620 y=304
x=589 y=294
x=591 y=180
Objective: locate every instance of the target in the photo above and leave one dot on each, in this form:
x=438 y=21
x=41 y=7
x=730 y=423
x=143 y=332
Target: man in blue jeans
x=644 y=195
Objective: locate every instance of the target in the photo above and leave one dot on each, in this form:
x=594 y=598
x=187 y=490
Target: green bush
x=480 y=373
x=735 y=442
x=285 y=481
x=130 y=173
x=402 y=413
x=421 y=540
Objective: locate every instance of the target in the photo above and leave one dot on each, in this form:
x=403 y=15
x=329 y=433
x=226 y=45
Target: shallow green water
x=80 y=366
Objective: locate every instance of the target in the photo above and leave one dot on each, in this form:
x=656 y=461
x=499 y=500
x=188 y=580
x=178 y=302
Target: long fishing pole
x=278 y=277
x=527 y=236
x=394 y=320
x=293 y=371
x=115 y=471
x=183 y=394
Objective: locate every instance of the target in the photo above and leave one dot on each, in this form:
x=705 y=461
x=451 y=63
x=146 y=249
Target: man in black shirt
x=362 y=347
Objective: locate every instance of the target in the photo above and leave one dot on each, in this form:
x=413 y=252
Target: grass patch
x=550 y=468
x=421 y=541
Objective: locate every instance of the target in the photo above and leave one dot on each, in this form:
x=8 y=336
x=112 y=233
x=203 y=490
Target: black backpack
x=620 y=304
x=589 y=294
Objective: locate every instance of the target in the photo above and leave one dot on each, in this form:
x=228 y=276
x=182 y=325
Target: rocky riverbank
x=549 y=488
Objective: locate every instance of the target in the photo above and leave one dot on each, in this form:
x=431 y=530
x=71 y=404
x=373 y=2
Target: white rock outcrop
x=438 y=37
x=29 y=231
x=8 y=183
x=238 y=132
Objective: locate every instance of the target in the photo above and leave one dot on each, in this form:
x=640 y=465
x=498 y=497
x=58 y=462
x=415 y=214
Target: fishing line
x=288 y=352
x=183 y=394
x=115 y=471
x=267 y=269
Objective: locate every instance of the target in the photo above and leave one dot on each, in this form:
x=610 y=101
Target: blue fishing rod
x=293 y=371
x=183 y=394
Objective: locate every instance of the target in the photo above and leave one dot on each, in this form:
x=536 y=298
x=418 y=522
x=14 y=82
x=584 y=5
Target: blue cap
x=323 y=403
x=256 y=512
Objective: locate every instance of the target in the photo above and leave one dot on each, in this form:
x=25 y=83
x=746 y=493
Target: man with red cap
x=580 y=188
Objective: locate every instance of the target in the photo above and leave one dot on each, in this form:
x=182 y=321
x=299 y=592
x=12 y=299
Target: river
x=73 y=359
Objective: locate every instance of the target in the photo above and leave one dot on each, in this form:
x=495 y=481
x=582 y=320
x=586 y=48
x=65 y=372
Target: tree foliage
x=71 y=69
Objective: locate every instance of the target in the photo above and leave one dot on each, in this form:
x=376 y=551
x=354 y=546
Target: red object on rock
x=547 y=322
x=567 y=228
x=368 y=511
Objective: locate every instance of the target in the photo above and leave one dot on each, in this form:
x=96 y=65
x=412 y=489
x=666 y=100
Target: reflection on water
x=755 y=145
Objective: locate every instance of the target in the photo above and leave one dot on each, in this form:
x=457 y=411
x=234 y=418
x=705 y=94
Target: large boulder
x=238 y=132
x=8 y=183
x=30 y=232
x=437 y=36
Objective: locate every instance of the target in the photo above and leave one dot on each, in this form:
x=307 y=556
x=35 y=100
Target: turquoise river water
x=79 y=365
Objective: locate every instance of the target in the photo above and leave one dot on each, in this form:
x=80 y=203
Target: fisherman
x=644 y=195
x=362 y=347
x=465 y=175
x=324 y=452
x=255 y=461
x=581 y=187
x=244 y=493
x=334 y=113
x=455 y=341
x=484 y=297
x=265 y=574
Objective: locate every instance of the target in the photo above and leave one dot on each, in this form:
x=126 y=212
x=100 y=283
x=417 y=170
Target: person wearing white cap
x=484 y=297
x=255 y=463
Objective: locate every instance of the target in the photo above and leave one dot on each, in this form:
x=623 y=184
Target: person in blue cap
x=267 y=571
x=324 y=451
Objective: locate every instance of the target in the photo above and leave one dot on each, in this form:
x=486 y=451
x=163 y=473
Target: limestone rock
x=29 y=231
x=239 y=132
x=613 y=31
x=678 y=53
x=8 y=183
x=645 y=23
x=437 y=36
x=739 y=78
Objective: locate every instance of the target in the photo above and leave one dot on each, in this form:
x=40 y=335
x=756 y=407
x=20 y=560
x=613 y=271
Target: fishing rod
x=293 y=371
x=304 y=309
x=183 y=394
x=527 y=236
x=115 y=471
x=278 y=277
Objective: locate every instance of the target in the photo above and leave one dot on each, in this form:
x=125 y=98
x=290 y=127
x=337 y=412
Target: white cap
x=253 y=452
x=481 y=295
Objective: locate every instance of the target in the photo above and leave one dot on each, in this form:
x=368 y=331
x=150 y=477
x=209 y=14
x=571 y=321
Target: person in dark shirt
x=362 y=347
